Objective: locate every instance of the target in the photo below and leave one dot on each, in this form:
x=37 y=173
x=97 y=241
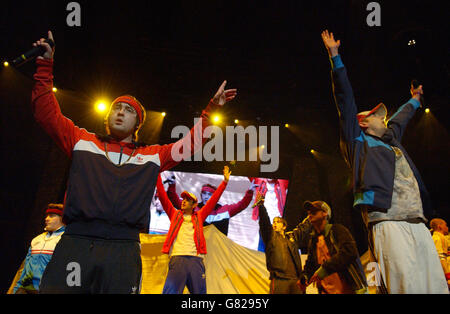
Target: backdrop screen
x=234 y=214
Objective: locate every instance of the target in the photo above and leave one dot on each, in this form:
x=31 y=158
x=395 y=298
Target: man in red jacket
x=111 y=183
x=185 y=242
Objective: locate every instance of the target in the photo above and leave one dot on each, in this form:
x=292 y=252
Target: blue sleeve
x=336 y=62
x=399 y=120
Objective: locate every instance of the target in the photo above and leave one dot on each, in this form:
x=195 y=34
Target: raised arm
x=171 y=154
x=165 y=202
x=236 y=208
x=398 y=122
x=211 y=203
x=45 y=107
x=343 y=96
x=265 y=227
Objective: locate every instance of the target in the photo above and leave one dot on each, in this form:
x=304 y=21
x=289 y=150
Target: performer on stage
x=282 y=252
x=221 y=214
x=387 y=186
x=185 y=242
x=41 y=251
x=111 y=183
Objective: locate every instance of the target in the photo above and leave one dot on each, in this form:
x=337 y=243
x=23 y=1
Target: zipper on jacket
x=120 y=156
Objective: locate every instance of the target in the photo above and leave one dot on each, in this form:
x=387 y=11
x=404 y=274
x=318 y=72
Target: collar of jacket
x=325 y=231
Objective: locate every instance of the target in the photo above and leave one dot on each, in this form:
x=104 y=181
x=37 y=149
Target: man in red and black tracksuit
x=185 y=242
x=111 y=183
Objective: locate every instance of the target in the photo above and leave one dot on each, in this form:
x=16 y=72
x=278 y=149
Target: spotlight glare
x=236 y=121
x=54 y=89
x=286 y=125
x=163 y=114
x=100 y=107
x=216 y=118
x=427 y=110
x=312 y=151
x=6 y=63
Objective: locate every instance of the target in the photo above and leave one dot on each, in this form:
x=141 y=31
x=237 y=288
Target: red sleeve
x=173 y=196
x=234 y=209
x=193 y=141
x=165 y=202
x=211 y=203
x=47 y=112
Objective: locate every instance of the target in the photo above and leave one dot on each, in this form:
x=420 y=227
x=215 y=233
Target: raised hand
x=226 y=173
x=253 y=186
x=223 y=96
x=416 y=92
x=49 y=50
x=331 y=44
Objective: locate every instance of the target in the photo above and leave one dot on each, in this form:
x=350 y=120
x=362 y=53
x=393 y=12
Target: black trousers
x=87 y=265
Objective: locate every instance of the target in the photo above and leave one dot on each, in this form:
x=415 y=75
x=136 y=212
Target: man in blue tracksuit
x=40 y=251
x=387 y=186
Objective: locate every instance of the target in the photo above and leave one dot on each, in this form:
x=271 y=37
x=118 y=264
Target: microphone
x=33 y=53
x=415 y=84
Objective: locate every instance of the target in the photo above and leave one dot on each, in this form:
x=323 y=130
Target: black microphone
x=33 y=53
x=415 y=84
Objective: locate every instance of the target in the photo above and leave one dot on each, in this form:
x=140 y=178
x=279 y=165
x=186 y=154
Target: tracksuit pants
x=185 y=271
x=86 y=265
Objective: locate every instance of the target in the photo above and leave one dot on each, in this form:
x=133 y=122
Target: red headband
x=133 y=102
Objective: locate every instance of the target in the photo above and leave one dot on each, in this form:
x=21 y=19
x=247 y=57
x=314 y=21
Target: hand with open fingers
x=330 y=43
x=416 y=92
x=223 y=96
x=253 y=186
x=49 y=51
x=226 y=173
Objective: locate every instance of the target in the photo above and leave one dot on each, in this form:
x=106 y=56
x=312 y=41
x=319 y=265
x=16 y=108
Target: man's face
x=444 y=228
x=122 y=119
x=53 y=222
x=206 y=195
x=374 y=122
x=316 y=216
x=187 y=206
x=278 y=225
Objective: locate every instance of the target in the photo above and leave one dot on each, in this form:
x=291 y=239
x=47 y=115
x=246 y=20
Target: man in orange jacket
x=185 y=242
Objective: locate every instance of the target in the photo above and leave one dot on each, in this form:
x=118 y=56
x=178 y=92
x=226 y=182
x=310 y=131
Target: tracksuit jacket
x=198 y=217
x=371 y=158
x=103 y=199
x=39 y=254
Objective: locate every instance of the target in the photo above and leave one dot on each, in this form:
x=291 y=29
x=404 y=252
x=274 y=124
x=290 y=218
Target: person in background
x=440 y=231
x=185 y=242
x=333 y=260
x=40 y=251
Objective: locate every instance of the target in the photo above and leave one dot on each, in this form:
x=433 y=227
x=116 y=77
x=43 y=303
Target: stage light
x=54 y=89
x=6 y=63
x=412 y=42
x=216 y=118
x=100 y=106
x=312 y=151
x=263 y=146
x=286 y=125
x=163 y=114
x=427 y=110
x=236 y=121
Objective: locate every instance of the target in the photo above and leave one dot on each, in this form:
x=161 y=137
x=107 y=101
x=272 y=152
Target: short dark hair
x=282 y=220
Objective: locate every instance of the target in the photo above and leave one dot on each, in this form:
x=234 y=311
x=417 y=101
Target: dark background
x=173 y=56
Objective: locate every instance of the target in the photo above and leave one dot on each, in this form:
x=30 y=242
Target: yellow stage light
x=100 y=106
x=216 y=118
x=6 y=63
x=54 y=89
x=163 y=114
x=312 y=151
x=427 y=110
x=286 y=125
x=236 y=121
